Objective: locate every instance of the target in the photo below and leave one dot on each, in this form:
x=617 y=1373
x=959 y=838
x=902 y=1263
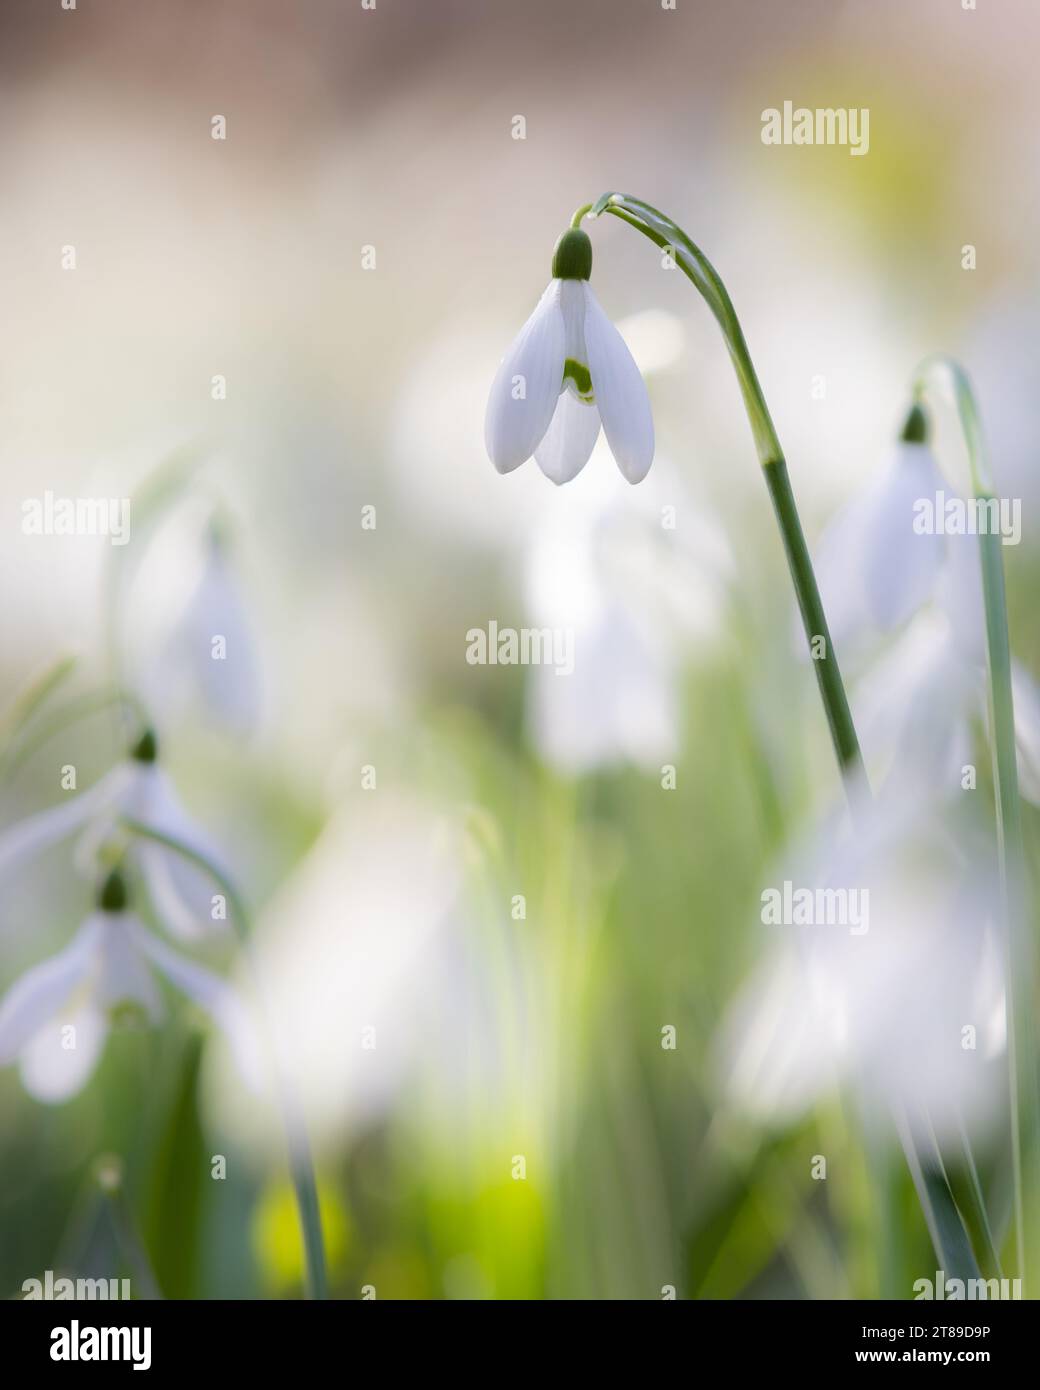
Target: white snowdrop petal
x=900 y=564
x=572 y=307
x=960 y=596
x=524 y=392
x=216 y=997
x=620 y=391
x=838 y=562
x=60 y=1058
x=570 y=439
x=37 y=833
x=125 y=976
x=181 y=893
x=35 y=999
x=185 y=673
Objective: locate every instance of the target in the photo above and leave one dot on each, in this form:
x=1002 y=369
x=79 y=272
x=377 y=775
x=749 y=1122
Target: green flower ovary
x=578 y=375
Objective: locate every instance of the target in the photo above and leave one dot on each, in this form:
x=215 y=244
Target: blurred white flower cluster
x=54 y=1019
x=132 y=835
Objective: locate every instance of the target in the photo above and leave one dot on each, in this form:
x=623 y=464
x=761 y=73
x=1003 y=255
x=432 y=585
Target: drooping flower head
x=885 y=569
x=208 y=663
x=567 y=373
x=875 y=567
x=54 y=1020
x=137 y=789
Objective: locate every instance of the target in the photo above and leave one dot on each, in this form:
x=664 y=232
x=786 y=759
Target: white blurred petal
x=357 y=941
x=37 y=833
x=185 y=672
x=42 y=991
x=960 y=597
x=125 y=977
x=887 y=1007
x=619 y=704
x=777 y=1056
x=51 y=1069
x=181 y=893
x=901 y=566
x=914 y=709
x=213 y=995
x=638 y=599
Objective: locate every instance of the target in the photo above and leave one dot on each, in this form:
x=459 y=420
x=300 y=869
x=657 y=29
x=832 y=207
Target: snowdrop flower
x=886 y=1009
x=918 y=703
x=635 y=598
x=354 y=948
x=567 y=373
x=210 y=656
x=914 y=708
x=875 y=569
x=878 y=571
x=137 y=789
x=55 y=1019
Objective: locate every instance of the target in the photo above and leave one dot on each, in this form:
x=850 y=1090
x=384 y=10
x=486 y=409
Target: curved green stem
x=665 y=233
x=933 y=374
x=300 y=1161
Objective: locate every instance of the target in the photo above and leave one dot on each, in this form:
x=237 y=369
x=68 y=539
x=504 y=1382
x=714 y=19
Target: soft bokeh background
x=394 y=908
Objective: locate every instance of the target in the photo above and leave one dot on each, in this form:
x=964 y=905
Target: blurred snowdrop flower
x=910 y=1011
x=875 y=569
x=367 y=975
x=635 y=595
x=136 y=789
x=567 y=373
x=958 y=594
x=916 y=706
x=54 y=1020
x=209 y=657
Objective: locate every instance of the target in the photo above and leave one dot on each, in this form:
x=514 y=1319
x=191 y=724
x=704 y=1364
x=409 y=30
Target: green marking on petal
x=128 y=1013
x=578 y=374
x=112 y=895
